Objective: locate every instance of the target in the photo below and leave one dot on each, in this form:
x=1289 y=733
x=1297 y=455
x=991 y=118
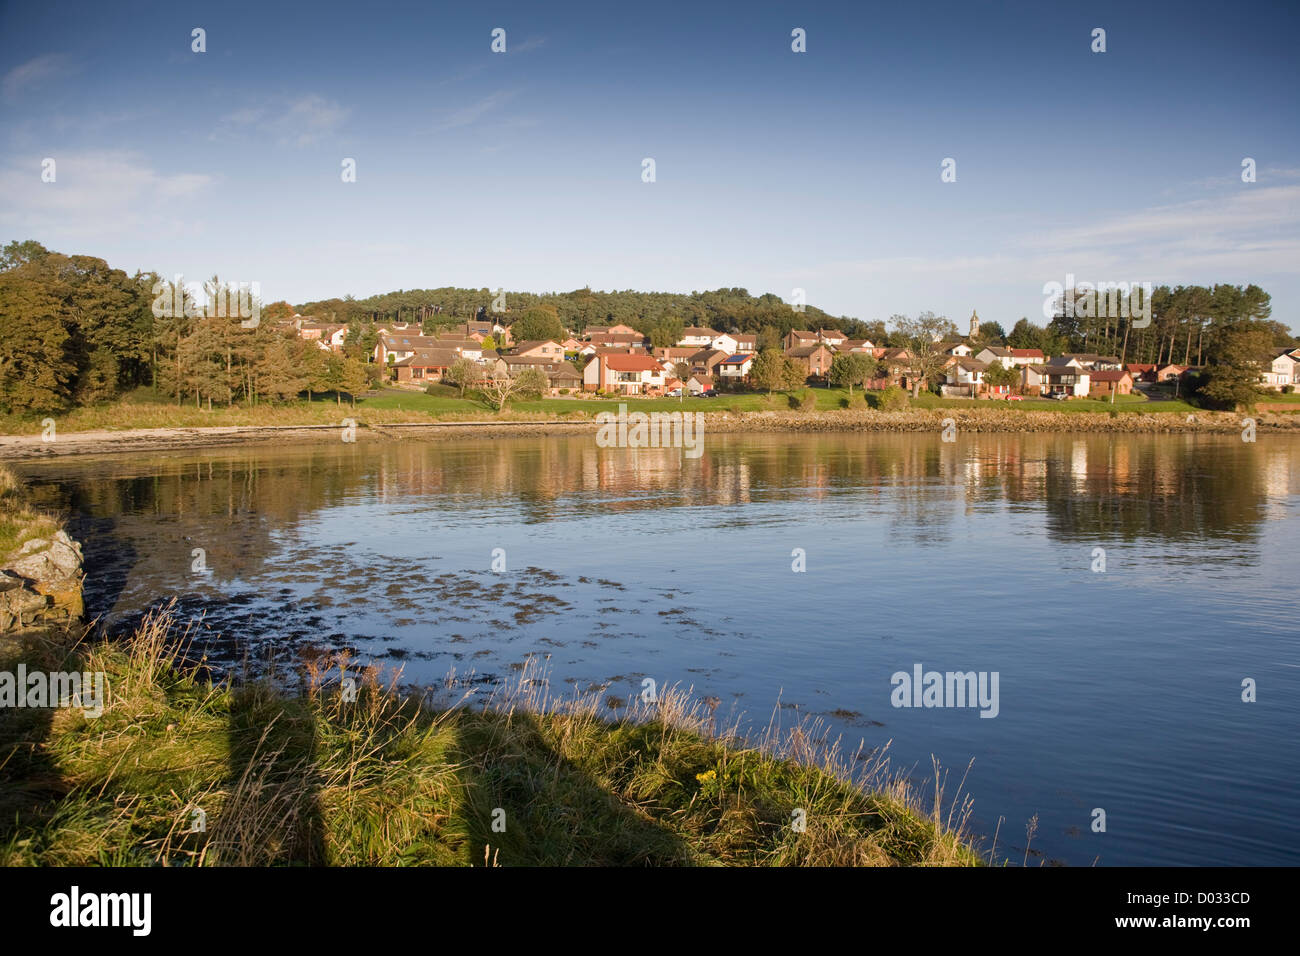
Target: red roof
x=632 y=363
x=1109 y=376
x=1027 y=353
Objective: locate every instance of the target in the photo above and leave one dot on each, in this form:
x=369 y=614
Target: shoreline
x=979 y=420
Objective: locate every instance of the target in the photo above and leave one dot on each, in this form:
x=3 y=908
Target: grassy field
x=144 y=409
x=306 y=776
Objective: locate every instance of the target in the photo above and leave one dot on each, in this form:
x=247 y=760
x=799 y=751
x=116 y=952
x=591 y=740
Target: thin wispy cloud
x=471 y=114
x=302 y=121
x=30 y=76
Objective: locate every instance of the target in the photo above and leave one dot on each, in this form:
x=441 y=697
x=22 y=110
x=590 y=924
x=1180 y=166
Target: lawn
x=145 y=409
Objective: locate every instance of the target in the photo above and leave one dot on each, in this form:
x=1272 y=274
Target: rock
x=41 y=560
x=41 y=584
x=21 y=607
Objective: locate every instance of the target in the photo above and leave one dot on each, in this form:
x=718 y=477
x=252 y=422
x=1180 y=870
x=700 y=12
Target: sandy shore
x=981 y=420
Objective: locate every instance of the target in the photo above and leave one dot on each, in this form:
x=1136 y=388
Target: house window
x=417 y=373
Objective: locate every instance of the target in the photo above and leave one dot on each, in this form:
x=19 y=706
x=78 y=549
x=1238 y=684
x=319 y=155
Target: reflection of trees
x=1194 y=488
x=231 y=502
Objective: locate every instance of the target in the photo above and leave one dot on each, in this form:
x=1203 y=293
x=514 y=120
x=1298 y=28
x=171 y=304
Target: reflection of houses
x=624 y=374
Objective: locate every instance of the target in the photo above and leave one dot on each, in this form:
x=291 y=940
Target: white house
x=967 y=375
x=725 y=343
x=702 y=338
x=625 y=374
x=735 y=368
x=995 y=353
x=1284 y=370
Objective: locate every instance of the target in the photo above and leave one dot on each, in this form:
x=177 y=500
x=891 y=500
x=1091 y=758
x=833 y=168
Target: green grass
x=145 y=409
x=306 y=777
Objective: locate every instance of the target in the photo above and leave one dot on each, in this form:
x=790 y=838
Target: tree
x=1025 y=335
x=998 y=375
x=538 y=324
x=355 y=379
x=769 y=370
x=500 y=389
x=794 y=374
x=532 y=383
x=921 y=337
x=463 y=373
x=769 y=337
x=852 y=368
x=683 y=372
x=1231 y=377
x=34 y=373
x=276 y=373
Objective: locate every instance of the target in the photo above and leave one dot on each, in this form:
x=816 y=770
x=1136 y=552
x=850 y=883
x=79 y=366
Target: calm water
x=1119 y=690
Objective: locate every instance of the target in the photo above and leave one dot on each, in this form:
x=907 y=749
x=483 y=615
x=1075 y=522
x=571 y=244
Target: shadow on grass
x=531 y=806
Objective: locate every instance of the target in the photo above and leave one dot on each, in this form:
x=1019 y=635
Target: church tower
x=974 y=324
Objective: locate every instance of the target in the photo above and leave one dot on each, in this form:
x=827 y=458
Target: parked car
x=709 y=393
x=1015 y=398
x=1059 y=396
x=675 y=393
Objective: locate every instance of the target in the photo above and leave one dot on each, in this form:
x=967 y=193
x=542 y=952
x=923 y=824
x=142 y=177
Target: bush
x=892 y=399
x=1288 y=389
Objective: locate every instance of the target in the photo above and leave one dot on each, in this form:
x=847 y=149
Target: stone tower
x=974 y=324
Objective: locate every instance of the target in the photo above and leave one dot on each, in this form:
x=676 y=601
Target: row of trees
x=660 y=315
x=74 y=331
x=1186 y=324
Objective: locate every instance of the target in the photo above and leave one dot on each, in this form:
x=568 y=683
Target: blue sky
x=774 y=170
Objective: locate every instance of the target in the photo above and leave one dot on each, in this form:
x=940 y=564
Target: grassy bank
x=305 y=776
x=19 y=522
x=144 y=409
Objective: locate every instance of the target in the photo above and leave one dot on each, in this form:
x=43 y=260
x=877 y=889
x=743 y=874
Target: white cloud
x=1251 y=232
x=96 y=193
